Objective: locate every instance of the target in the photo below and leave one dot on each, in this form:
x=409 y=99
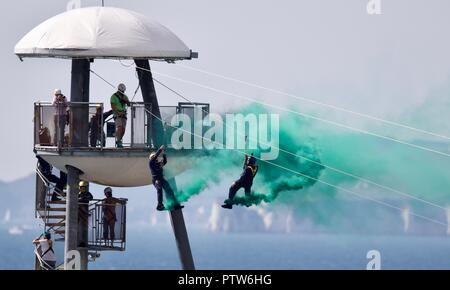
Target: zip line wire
x=316 y=102
x=319 y=163
x=103 y=79
x=312 y=178
x=302 y=114
x=308 y=159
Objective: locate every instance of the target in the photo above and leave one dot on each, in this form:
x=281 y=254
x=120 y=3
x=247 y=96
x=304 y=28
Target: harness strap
x=48 y=250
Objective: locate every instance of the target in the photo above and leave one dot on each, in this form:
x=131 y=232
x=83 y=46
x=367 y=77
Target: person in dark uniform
x=84 y=197
x=156 y=168
x=97 y=135
x=46 y=169
x=245 y=181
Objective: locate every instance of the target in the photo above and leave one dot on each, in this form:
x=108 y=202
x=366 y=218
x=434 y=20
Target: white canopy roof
x=102 y=32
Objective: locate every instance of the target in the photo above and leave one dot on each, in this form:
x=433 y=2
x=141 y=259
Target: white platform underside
x=118 y=171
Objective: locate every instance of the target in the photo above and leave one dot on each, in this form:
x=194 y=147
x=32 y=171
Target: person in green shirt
x=119 y=103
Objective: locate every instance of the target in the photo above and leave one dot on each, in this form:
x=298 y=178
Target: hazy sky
x=395 y=65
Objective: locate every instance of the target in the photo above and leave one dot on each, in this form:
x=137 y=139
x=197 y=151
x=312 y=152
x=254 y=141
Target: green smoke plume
x=270 y=181
x=422 y=174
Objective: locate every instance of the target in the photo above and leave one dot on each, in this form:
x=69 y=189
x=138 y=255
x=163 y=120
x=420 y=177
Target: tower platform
x=117 y=167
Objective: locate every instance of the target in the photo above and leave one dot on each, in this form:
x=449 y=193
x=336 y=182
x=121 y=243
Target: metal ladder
x=51 y=213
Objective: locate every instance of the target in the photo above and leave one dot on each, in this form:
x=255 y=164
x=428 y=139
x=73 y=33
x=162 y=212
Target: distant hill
x=18 y=198
x=347 y=216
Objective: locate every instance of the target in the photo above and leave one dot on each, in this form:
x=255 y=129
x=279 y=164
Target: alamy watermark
x=374 y=7
x=374 y=257
x=73 y=4
x=237 y=131
x=72 y=260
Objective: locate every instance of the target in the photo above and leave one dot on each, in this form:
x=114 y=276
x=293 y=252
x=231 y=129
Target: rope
x=317 y=102
x=305 y=115
x=316 y=162
x=176 y=93
x=48 y=184
x=102 y=78
x=312 y=178
x=42 y=262
x=319 y=163
x=332 y=168
x=135 y=92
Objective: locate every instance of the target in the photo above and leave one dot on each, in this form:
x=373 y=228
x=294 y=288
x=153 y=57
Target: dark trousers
x=50 y=265
x=160 y=184
x=60 y=127
x=60 y=182
x=83 y=224
x=238 y=185
x=52 y=178
x=96 y=138
x=108 y=230
x=93 y=138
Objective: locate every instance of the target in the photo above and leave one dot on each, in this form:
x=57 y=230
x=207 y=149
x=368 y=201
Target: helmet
x=83 y=184
x=151 y=155
x=122 y=88
x=58 y=92
x=251 y=161
x=47 y=235
x=108 y=190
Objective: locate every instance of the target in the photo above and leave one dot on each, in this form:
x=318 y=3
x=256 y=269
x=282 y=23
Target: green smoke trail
x=422 y=174
x=270 y=180
x=419 y=173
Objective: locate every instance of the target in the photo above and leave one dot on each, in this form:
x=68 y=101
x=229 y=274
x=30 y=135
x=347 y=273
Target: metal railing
x=59 y=126
x=99 y=238
x=107 y=225
x=169 y=112
x=52 y=221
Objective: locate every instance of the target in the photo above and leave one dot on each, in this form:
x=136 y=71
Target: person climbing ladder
x=156 y=168
x=245 y=181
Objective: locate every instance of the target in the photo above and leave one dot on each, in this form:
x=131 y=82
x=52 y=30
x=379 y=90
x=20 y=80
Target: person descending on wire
x=245 y=181
x=157 y=161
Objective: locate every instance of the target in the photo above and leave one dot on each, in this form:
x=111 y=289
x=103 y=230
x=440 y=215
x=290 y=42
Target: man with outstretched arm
x=157 y=161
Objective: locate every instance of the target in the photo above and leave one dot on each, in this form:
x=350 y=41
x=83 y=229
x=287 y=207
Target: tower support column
x=157 y=138
x=155 y=132
x=181 y=235
x=79 y=109
x=79 y=137
x=71 y=226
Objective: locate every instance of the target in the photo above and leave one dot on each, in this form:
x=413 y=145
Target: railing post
x=58 y=130
x=149 y=125
x=124 y=223
x=133 y=116
x=102 y=128
x=35 y=126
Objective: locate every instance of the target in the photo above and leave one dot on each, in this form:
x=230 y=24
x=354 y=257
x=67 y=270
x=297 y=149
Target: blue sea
x=154 y=248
